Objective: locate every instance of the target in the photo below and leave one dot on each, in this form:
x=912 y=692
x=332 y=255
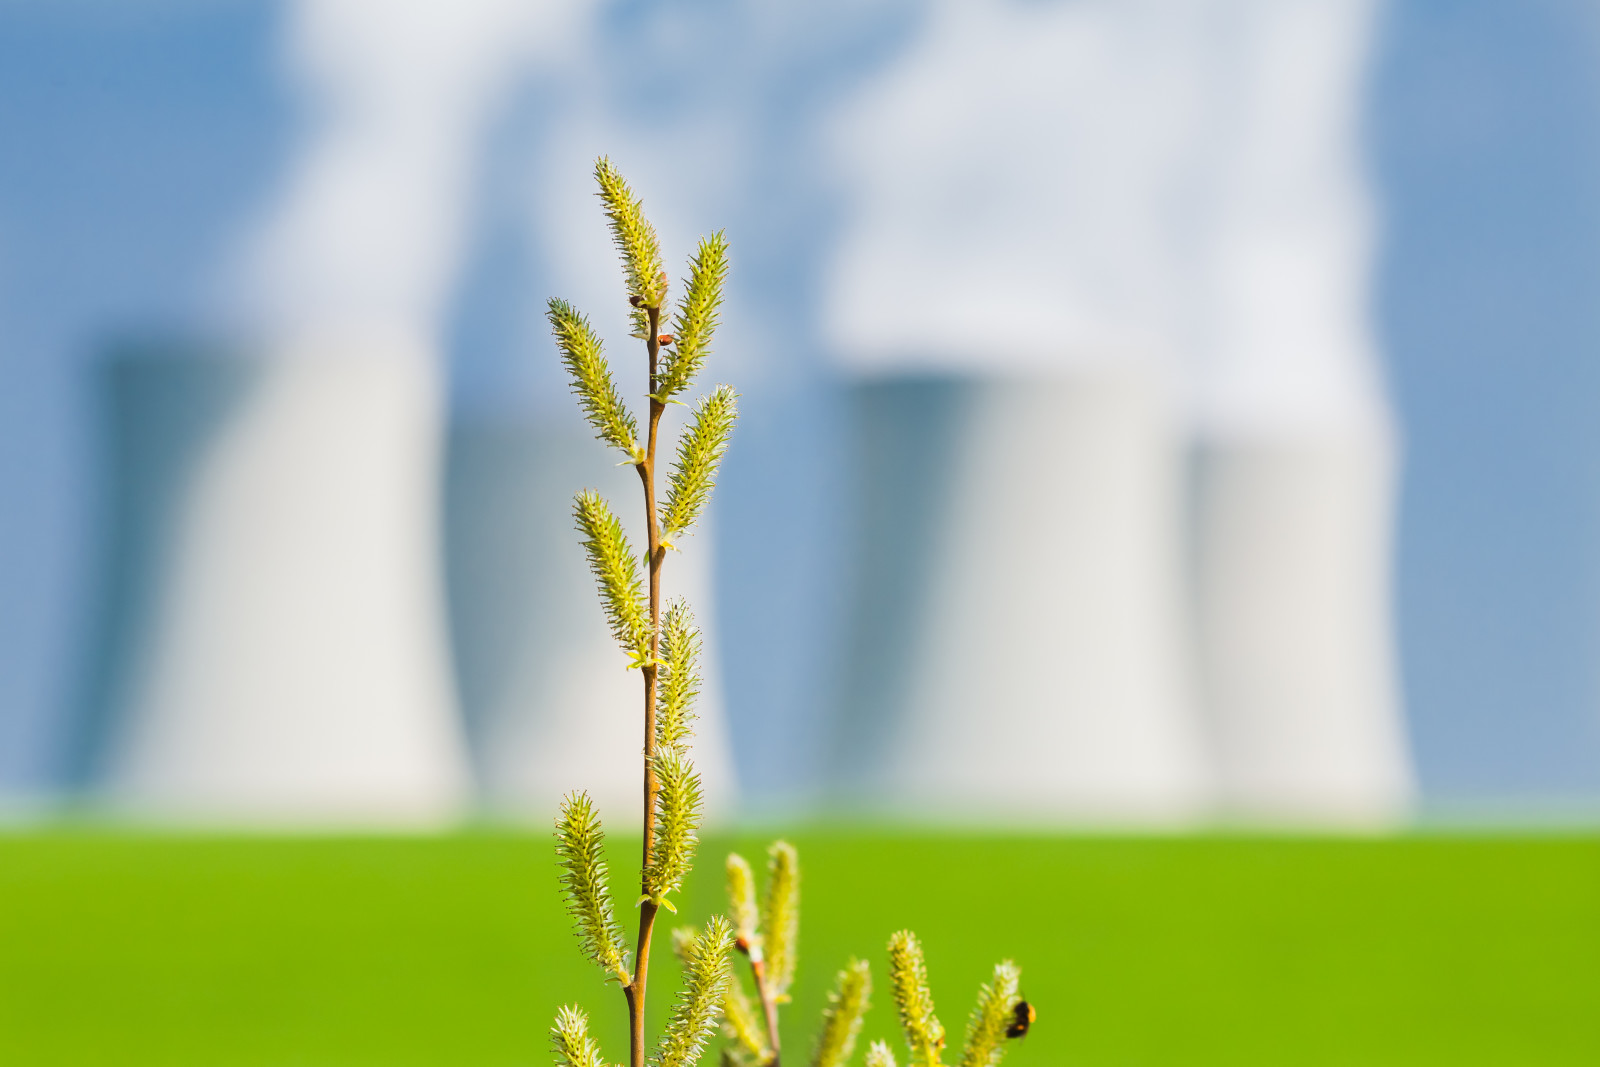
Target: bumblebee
x=1022 y=1017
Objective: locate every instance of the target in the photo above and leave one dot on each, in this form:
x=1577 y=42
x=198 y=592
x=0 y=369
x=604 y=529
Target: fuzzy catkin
x=879 y=1055
x=636 y=241
x=700 y=452
x=678 y=678
x=742 y=907
x=705 y=982
x=697 y=315
x=909 y=973
x=986 y=1028
x=780 y=919
x=570 y=1040
x=679 y=802
x=841 y=1020
x=580 y=849
x=582 y=355
x=616 y=573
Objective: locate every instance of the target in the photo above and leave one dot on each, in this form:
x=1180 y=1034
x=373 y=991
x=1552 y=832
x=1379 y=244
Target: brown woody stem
x=657 y=552
x=769 y=1005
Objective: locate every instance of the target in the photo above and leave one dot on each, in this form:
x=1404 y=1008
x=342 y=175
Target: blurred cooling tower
x=274 y=647
x=281 y=645
x=1129 y=557
x=1292 y=601
x=549 y=702
x=1019 y=646
x=1294 y=457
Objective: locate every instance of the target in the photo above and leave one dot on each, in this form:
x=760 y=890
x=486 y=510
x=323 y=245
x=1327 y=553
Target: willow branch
x=656 y=553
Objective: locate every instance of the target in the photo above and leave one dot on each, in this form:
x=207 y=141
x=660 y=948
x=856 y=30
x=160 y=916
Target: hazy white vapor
x=1037 y=184
x=1136 y=184
x=294 y=662
x=1283 y=339
x=1013 y=184
x=368 y=229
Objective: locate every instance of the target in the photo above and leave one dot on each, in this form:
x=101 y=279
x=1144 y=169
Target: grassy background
x=137 y=949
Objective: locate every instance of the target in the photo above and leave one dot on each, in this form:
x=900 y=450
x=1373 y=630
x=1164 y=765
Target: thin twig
x=769 y=1005
x=656 y=554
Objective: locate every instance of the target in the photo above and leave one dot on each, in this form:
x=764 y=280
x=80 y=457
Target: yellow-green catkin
x=780 y=919
x=995 y=1011
x=584 y=358
x=697 y=315
x=914 y=1000
x=880 y=1055
x=841 y=1020
x=700 y=451
x=580 y=849
x=705 y=982
x=616 y=574
x=678 y=683
x=742 y=907
x=636 y=241
x=570 y=1040
x=679 y=802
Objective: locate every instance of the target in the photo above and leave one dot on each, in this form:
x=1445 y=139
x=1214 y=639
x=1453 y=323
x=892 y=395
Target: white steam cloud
x=368 y=230
x=1037 y=185
x=1283 y=338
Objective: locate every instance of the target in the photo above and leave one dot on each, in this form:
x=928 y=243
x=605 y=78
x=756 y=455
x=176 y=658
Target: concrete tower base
x=1021 y=652
x=1292 y=563
x=276 y=650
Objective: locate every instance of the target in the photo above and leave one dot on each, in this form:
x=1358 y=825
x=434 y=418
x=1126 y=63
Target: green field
x=133 y=949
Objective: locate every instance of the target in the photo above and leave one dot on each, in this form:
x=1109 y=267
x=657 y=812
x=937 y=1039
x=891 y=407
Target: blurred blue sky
x=1485 y=127
x=137 y=139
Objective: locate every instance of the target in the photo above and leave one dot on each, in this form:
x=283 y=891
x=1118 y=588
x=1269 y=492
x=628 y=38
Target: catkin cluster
x=762 y=926
x=666 y=650
x=988 y=1027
